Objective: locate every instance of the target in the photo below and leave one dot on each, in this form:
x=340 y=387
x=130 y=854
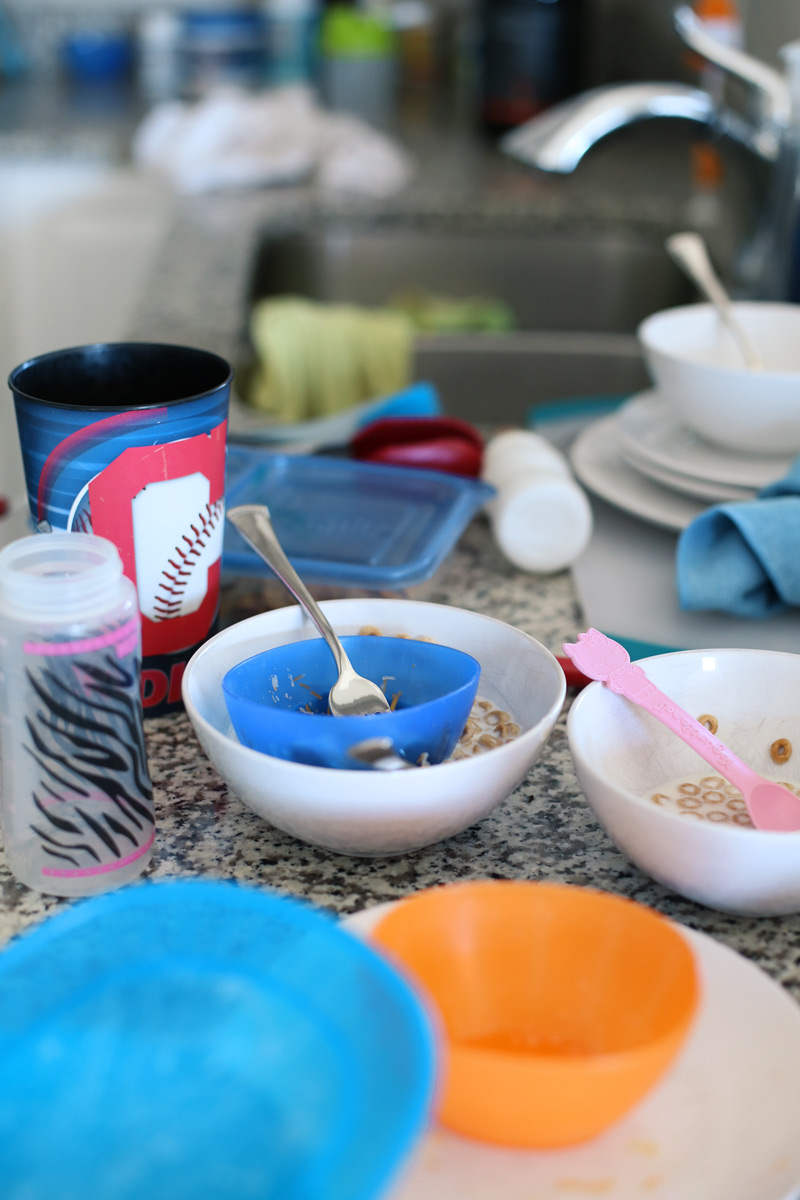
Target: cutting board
x=626 y=586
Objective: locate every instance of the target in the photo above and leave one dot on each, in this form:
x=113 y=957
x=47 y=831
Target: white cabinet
x=77 y=244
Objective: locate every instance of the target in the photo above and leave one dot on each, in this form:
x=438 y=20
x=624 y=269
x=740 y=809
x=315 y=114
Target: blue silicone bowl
x=175 y=1040
x=269 y=697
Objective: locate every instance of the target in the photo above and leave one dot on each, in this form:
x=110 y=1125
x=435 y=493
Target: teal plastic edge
x=638 y=649
x=573 y=407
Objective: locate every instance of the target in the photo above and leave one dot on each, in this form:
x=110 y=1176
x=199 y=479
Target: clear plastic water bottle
x=76 y=806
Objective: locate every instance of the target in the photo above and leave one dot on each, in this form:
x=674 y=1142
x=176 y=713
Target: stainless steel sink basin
x=577 y=299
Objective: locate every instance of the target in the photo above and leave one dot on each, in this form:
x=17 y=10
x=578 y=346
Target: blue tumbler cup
x=127 y=441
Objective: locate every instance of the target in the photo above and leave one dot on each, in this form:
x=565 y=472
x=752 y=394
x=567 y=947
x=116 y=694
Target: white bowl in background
x=622 y=755
x=365 y=812
x=697 y=368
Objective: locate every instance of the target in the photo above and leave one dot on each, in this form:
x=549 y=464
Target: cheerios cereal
x=487 y=727
x=781 y=750
x=709 y=798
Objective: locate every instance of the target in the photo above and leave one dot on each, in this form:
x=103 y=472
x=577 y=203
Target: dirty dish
x=277 y=700
x=252 y=425
x=687 y=485
x=623 y=757
x=770 y=805
x=697 y=369
x=650 y=429
x=381 y=812
x=350 y=694
x=599 y=465
x=701 y=1131
x=561 y=1007
x=172 y=1039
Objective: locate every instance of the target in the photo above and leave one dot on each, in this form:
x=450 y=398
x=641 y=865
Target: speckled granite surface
x=544 y=830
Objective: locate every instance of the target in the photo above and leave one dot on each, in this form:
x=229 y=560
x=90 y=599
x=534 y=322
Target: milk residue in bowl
x=487 y=726
x=708 y=798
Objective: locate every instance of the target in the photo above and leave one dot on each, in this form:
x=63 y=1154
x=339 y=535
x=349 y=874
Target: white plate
x=599 y=465
x=723 y=1124
x=651 y=429
x=251 y=426
x=248 y=425
x=687 y=485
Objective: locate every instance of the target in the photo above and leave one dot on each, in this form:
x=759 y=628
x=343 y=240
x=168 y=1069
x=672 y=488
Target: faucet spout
x=559 y=138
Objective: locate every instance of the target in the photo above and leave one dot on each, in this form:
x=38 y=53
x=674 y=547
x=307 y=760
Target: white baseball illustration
x=177 y=536
x=80 y=515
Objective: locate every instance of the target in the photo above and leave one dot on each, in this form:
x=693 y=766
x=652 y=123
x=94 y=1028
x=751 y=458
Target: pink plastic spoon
x=771 y=807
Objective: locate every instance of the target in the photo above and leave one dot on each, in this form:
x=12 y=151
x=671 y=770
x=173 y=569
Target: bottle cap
x=58 y=575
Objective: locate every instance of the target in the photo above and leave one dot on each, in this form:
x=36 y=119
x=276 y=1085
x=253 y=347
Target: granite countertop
x=545 y=829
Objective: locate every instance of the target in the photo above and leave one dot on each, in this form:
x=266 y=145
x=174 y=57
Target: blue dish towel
x=744 y=558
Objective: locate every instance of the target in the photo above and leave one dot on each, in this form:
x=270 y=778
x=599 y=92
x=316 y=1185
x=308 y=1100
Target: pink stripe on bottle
x=104 y=868
x=124 y=639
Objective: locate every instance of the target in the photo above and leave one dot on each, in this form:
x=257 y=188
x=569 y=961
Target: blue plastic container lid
x=199 y=1039
x=346 y=522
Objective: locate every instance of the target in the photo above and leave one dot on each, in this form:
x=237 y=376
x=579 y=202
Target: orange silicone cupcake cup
x=560 y=1007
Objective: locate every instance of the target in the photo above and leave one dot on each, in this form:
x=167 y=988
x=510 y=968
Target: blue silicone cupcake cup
x=277 y=700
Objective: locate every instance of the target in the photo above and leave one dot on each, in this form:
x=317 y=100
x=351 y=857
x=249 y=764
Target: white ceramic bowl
x=622 y=755
x=370 y=812
x=696 y=366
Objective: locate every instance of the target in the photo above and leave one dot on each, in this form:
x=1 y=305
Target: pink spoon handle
x=770 y=805
x=630 y=681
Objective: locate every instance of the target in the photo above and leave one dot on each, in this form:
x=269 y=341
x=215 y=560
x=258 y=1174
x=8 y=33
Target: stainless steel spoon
x=352 y=695
x=689 y=251
x=380 y=754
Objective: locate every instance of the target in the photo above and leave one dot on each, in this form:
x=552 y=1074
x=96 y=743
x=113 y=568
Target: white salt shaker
x=76 y=806
x=541 y=518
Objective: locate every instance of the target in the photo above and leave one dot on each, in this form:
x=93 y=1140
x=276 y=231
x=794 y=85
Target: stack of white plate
x=642 y=460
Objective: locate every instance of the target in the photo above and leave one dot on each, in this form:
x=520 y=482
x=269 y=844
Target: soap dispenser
x=529 y=58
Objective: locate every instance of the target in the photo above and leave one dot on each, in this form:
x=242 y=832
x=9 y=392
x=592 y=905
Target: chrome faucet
x=558 y=139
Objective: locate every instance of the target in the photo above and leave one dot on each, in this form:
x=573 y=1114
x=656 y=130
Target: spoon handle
x=690 y=253
x=630 y=681
x=254 y=524
x=379 y=753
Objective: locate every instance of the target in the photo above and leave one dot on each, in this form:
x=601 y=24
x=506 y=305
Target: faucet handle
x=772 y=91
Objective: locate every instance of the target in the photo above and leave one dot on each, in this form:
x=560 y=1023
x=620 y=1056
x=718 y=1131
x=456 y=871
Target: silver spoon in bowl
x=689 y=251
x=352 y=695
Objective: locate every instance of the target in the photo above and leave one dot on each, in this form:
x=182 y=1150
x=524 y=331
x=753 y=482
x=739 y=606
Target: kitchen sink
x=576 y=297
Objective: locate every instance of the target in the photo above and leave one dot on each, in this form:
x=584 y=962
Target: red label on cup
x=163 y=507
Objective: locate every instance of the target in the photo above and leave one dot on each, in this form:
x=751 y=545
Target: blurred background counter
x=95 y=249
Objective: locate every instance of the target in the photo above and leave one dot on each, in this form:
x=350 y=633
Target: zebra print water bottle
x=76 y=806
